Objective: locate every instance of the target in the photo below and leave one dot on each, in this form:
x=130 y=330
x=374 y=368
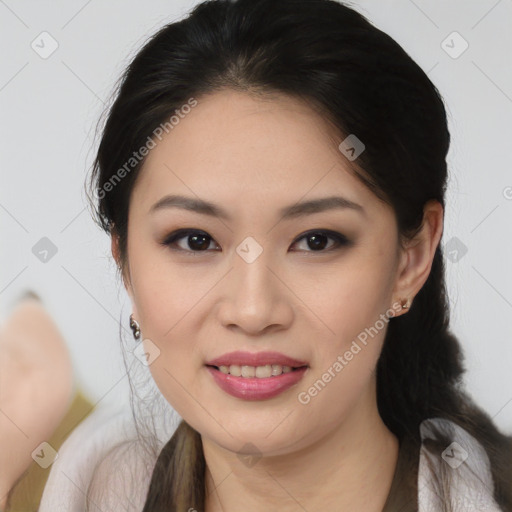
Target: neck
x=351 y=468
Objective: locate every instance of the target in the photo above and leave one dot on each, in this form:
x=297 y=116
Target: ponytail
x=178 y=479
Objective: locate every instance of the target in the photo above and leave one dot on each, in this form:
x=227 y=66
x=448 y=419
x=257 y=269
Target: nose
x=256 y=298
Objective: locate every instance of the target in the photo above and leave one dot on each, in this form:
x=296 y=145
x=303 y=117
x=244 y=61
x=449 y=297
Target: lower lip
x=253 y=388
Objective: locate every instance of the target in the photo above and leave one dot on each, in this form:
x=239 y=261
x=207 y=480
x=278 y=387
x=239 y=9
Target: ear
x=416 y=259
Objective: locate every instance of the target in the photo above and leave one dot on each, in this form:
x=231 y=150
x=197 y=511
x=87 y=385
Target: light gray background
x=49 y=109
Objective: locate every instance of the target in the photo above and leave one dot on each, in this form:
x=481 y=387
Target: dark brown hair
x=363 y=82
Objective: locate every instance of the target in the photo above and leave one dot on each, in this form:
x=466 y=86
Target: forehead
x=254 y=152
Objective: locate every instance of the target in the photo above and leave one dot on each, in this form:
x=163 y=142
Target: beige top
x=121 y=482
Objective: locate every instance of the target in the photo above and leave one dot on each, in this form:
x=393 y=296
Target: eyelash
x=340 y=240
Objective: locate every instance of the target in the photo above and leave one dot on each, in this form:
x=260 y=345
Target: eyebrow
x=289 y=212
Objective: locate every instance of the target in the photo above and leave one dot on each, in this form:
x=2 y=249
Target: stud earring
x=406 y=304
x=135 y=327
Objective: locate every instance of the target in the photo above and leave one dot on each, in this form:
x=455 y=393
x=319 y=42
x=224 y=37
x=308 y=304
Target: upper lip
x=242 y=358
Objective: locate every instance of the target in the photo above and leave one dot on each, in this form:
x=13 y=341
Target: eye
x=318 y=240
x=196 y=240
x=199 y=241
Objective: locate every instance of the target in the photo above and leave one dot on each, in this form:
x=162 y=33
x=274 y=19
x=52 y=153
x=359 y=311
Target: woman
x=272 y=176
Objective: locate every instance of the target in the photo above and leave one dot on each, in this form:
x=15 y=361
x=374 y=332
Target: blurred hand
x=36 y=384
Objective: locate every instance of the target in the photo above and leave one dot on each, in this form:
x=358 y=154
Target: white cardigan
x=465 y=464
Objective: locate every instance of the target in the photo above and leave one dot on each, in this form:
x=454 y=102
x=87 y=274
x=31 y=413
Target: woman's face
x=252 y=281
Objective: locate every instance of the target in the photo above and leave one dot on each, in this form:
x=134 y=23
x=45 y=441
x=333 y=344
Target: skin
x=253 y=156
x=36 y=384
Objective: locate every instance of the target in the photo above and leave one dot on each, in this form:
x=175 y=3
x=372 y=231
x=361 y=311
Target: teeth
x=260 y=372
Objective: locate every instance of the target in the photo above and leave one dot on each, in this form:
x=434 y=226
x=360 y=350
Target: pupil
x=319 y=241
x=194 y=239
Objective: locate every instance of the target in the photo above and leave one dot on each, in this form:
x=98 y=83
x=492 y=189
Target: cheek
x=165 y=295
x=348 y=342
x=350 y=300
x=165 y=305
x=342 y=373
x=167 y=319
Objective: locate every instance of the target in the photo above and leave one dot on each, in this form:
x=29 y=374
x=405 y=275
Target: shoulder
x=453 y=468
x=88 y=466
x=121 y=478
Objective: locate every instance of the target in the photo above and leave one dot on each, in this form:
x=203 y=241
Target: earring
x=406 y=304
x=135 y=327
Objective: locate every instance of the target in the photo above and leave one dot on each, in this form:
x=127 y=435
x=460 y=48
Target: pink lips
x=255 y=359
x=253 y=388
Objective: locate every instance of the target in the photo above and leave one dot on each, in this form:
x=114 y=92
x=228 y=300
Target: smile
x=260 y=372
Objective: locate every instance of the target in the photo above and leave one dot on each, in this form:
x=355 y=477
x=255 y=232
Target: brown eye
x=318 y=240
x=195 y=241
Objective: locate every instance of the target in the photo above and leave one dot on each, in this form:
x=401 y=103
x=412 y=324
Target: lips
x=242 y=358
x=256 y=388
